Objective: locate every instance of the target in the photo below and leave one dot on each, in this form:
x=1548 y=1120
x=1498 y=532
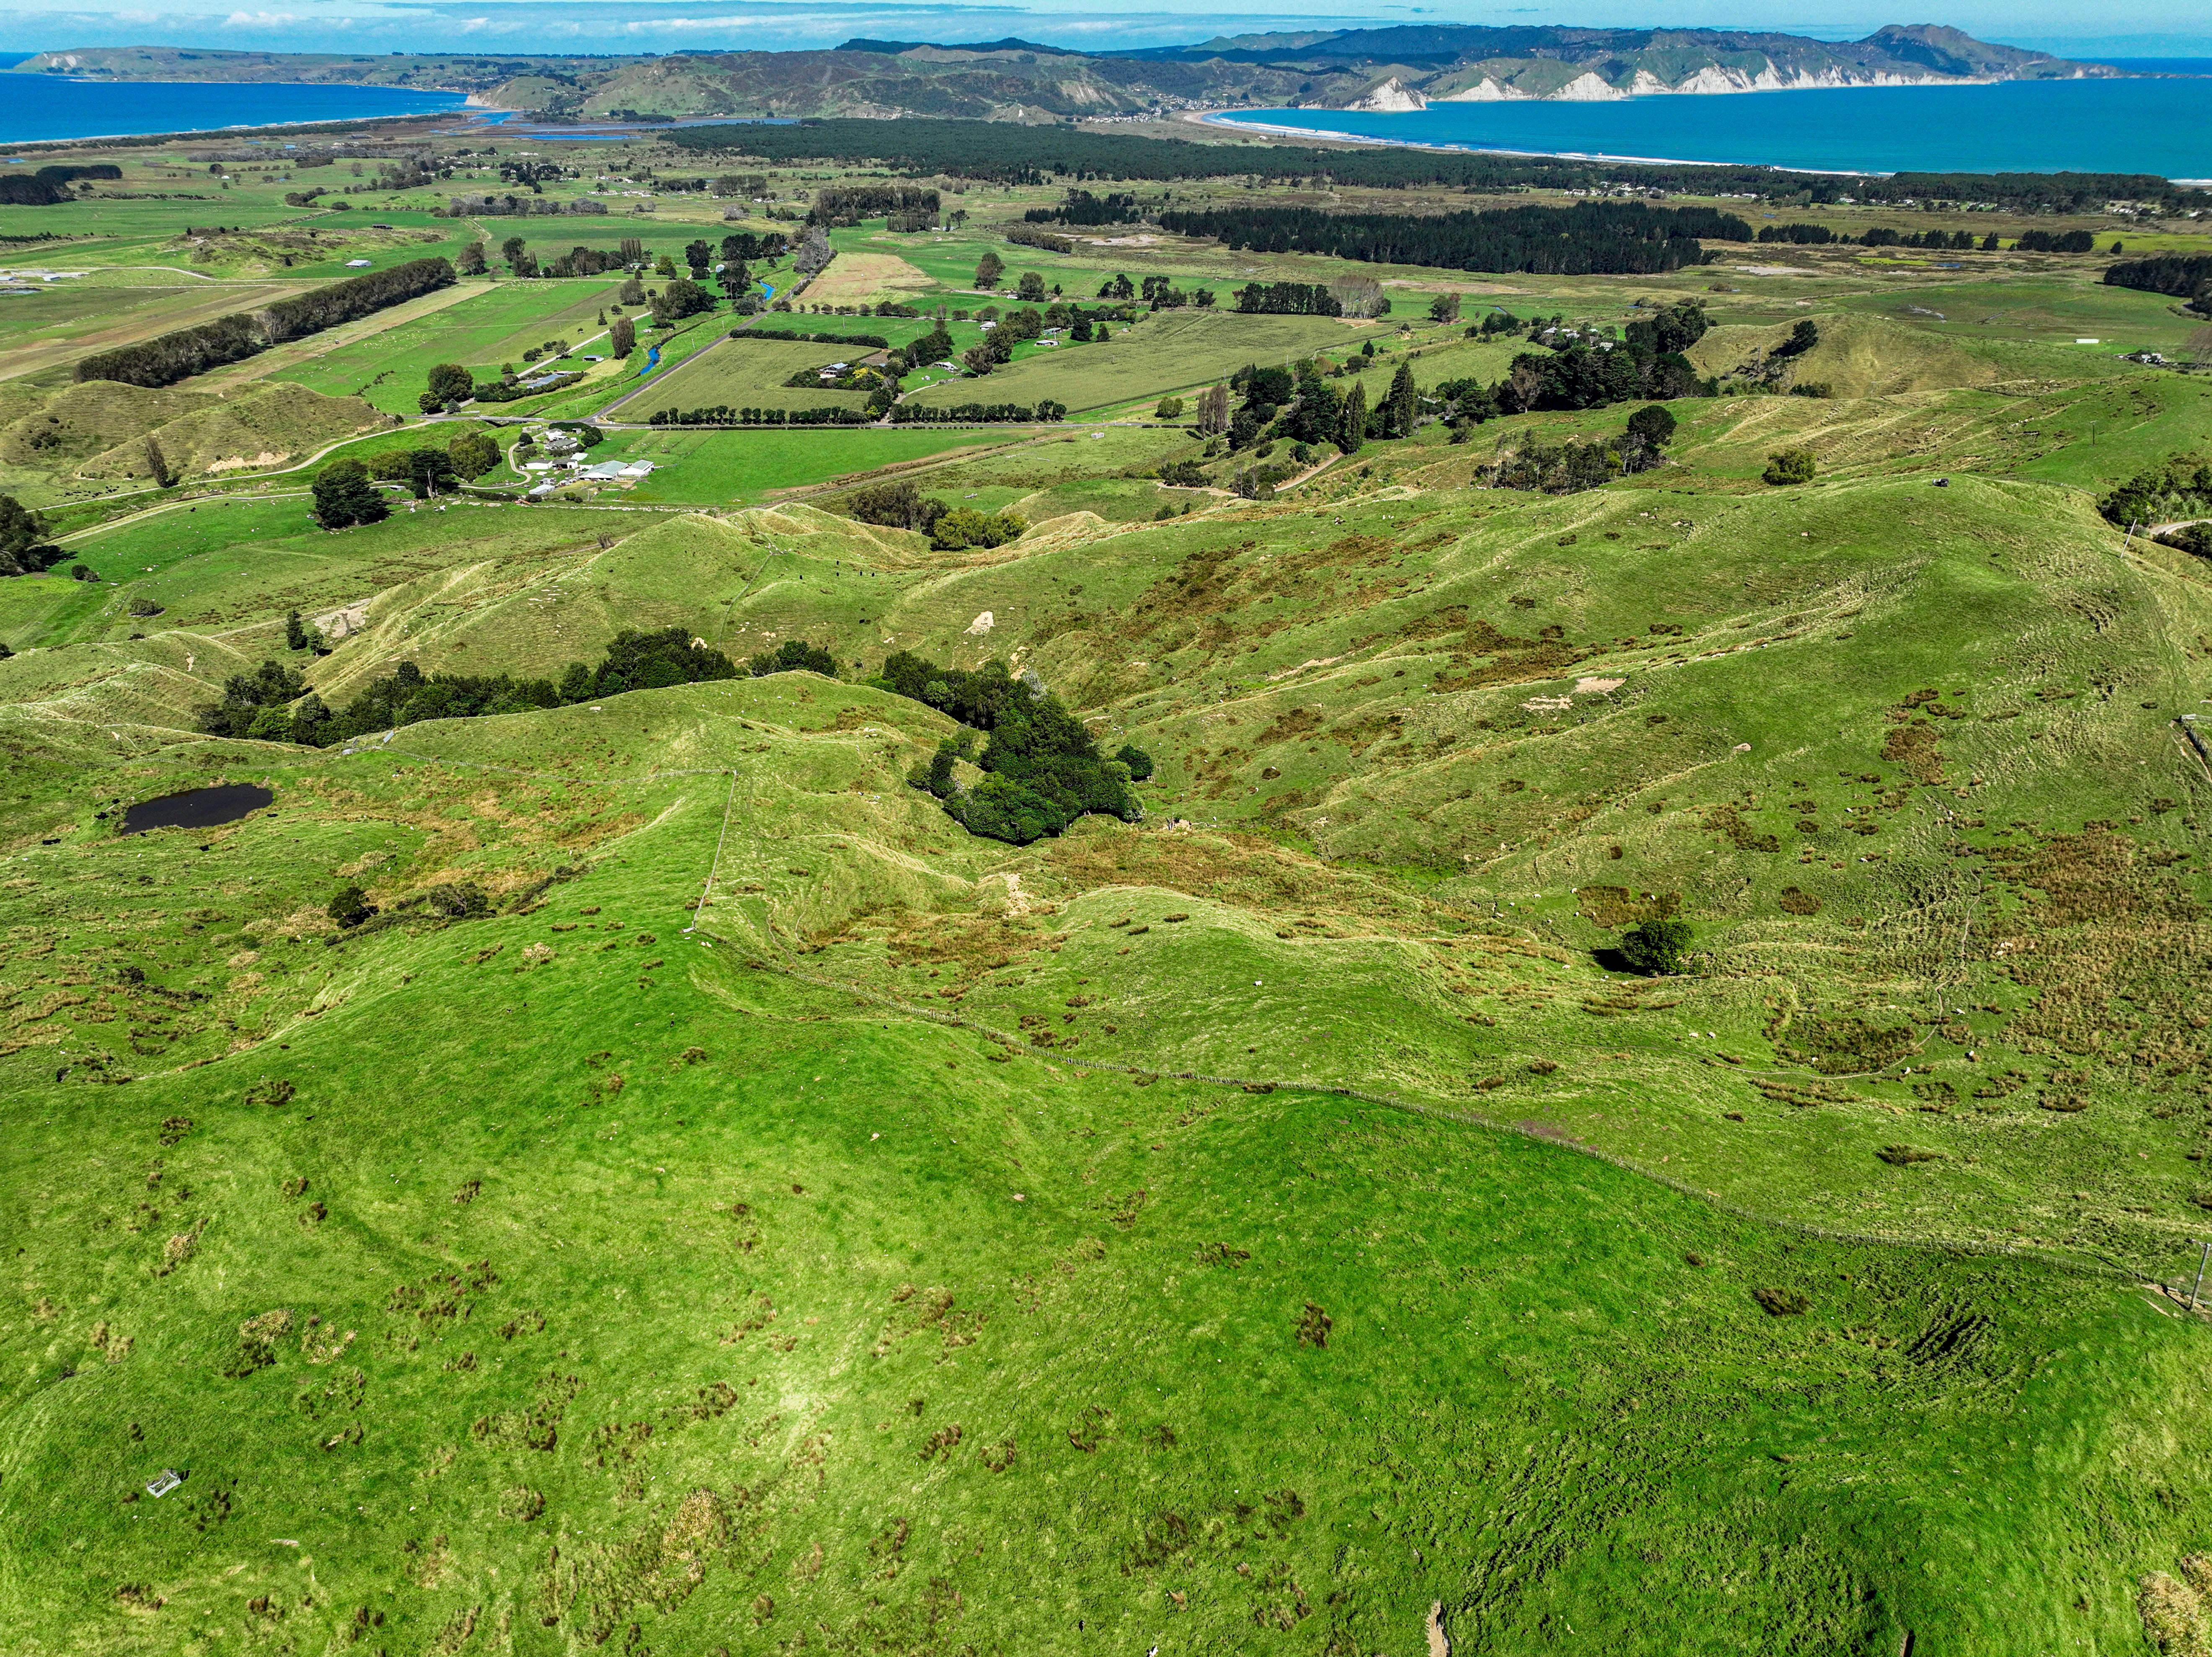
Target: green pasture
x=2038 y=310
x=718 y=468
x=717 y=1204
x=391 y=368
x=746 y=373
x=1171 y=350
x=1916 y=1450
x=237 y=566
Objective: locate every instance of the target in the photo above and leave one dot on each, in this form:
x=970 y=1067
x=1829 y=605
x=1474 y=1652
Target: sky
x=2071 y=27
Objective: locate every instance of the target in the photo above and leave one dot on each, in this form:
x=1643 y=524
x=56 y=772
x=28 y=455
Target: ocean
x=2140 y=124
x=39 y=107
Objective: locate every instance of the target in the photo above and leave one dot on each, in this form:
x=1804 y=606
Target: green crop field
x=639 y=1174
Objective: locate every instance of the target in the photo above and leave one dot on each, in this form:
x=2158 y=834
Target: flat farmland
x=56 y=323
x=390 y=367
x=746 y=373
x=1170 y=351
x=721 y=468
x=867 y=278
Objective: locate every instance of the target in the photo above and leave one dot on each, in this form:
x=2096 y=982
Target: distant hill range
x=1398 y=68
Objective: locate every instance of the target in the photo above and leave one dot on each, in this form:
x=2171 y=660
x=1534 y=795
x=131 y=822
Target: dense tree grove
x=2185 y=276
x=842 y=204
x=2176 y=489
x=1294 y=298
x=50 y=186
x=1081 y=207
x=1588 y=237
x=793 y=656
x=1041 y=769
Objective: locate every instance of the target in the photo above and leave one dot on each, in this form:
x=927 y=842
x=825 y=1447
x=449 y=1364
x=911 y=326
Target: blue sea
x=2147 y=123
x=48 y=107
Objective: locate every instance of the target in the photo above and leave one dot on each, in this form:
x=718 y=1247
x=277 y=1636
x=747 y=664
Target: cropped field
x=867 y=278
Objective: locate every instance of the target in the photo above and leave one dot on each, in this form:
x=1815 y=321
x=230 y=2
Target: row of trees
x=272 y=703
x=1611 y=237
x=1956 y=241
x=721 y=414
x=1081 y=207
x=169 y=358
x=1288 y=299
x=978 y=414
x=839 y=204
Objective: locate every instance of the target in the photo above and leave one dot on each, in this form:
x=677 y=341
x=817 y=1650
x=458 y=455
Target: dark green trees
x=791 y=657
x=1400 y=408
x=253 y=704
x=897 y=505
x=473 y=454
x=683 y=298
x=1654 y=426
x=350 y=906
x=1353 y=431
x=344 y=496
x=1042 y=769
x=449 y=383
x=23 y=546
x=1657 y=947
x=1138 y=762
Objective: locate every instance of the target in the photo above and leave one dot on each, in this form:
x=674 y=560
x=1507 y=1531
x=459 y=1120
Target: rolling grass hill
x=773 y=1218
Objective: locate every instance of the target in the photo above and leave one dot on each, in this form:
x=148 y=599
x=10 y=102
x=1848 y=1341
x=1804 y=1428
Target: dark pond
x=200 y=808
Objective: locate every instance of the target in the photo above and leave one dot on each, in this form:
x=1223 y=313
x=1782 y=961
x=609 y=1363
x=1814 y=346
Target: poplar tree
x=1404 y=402
x=1354 y=430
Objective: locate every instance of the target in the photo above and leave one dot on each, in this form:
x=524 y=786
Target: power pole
x=2199 y=1284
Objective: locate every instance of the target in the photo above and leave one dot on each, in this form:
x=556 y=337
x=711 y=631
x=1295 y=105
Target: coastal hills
x=1385 y=68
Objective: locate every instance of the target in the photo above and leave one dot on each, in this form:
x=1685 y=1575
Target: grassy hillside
x=715 y=1202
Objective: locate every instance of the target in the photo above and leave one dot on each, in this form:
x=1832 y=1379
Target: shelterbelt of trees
x=1589 y=238
x=169 y=358
x=2184 y=275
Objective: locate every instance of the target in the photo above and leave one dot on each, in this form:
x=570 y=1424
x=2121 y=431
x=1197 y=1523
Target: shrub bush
x=1786 y=466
